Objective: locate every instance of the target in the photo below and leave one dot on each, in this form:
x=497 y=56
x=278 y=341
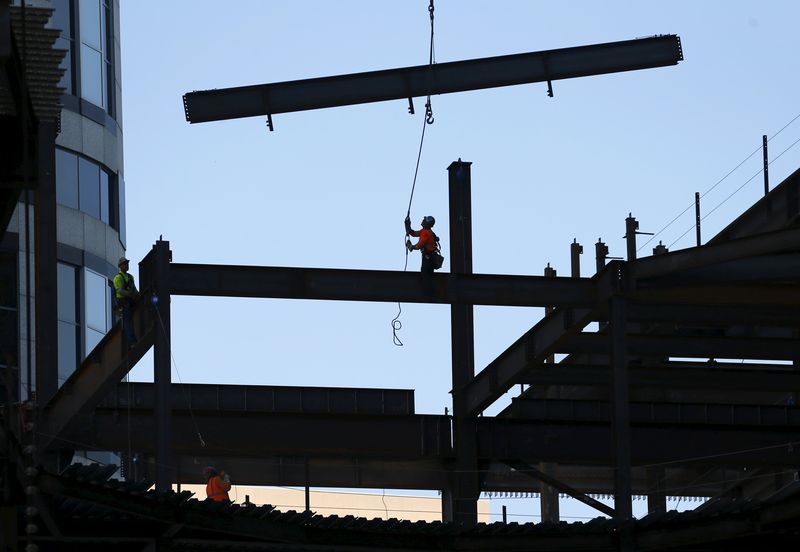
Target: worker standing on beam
x=428 y=244
x=125 y=292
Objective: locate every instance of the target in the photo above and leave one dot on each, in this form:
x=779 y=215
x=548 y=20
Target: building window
x=62 y=19
x=95 y=47
x=68 y=327
x=83 y=184
x=89 y=44
x=97 y=306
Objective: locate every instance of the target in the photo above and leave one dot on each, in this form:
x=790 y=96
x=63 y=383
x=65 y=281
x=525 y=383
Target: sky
x=330 y=188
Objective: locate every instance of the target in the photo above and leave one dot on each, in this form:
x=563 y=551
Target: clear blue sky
x=329 y=188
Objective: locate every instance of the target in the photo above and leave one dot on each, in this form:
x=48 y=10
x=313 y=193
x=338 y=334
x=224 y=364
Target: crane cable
x=428 y=120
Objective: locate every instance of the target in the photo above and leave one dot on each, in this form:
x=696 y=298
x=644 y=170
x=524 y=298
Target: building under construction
x=605 y=407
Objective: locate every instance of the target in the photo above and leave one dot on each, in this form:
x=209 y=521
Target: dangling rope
x=396 y=324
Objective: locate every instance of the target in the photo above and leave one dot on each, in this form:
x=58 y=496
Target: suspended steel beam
x=377 y=285
x=442 y=78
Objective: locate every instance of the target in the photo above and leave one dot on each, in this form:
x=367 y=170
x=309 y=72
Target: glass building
x=90 y=199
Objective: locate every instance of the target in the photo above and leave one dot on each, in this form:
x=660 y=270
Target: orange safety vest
x=217 y=489
x=427 y=240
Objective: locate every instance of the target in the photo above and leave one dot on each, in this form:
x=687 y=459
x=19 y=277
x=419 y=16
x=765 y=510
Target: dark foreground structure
x=618 y=414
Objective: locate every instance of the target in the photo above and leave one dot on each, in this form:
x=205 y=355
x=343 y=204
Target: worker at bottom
x=218 y=483
x=426 y=244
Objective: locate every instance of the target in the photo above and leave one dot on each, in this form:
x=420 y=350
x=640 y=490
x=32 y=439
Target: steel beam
x=688 y=346
x=532 y=348
x=256 y=434
x=772 y=243
x=425 y=80
x=685 y=436
x=96 y=377
x=673 y=375
x=377 y=285
x=661 y=444
x=530 y=471
x=719 y=315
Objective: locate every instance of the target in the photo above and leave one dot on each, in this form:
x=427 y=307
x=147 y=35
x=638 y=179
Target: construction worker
x=217 y=484
x=427 y=244
x=125 y=292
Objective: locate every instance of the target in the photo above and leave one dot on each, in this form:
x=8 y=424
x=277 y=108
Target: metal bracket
x=269 y=122
x=411 y=105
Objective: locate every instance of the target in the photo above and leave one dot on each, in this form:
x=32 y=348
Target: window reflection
x=67 y=321
x=95 y=301
x=104 y=197
x=66 y=178
x=91 y=23
x=83 y=184
x=62 y=20
x=89 y=185
x=92 y=76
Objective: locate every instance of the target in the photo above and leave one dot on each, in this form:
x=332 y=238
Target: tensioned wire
x=720 y=181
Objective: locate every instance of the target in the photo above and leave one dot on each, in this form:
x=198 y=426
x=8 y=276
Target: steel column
x=620 y=408
x=575 y=252
x=465 y=487
x=656 y=496
x=162 y=376
x=45 y=266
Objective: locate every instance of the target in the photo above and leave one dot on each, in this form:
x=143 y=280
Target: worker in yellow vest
x=125 y=292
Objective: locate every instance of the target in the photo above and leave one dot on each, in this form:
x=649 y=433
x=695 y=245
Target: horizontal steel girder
x=377 y=285
x=772 y=243
x=267 y=398
x=97 y=376
x=674 y=436
x=424 y=80
x=688 y=346
x=672 y=375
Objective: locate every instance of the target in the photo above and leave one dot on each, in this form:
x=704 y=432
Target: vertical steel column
x=600 y=254
x=548 y=496
x=697 y=216
x=46 y=279
x=575 y=252
x=766 y=165
x=620 y=408
x=162 y=375
x=631 y=226
x=464 y=489
x=656 y=496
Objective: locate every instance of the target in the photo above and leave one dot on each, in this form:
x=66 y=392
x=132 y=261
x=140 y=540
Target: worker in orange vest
x=218 y=484
x=427 y=243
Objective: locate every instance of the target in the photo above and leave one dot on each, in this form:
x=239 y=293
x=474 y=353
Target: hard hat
x=429 y=220
x=122 y=261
